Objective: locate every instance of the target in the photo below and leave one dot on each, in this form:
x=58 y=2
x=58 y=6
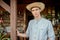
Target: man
x=39 y=28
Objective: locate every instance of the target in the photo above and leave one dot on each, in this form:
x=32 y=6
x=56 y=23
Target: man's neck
x=37 y=18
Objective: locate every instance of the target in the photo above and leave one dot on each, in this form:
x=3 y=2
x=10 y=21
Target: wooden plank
x=24 y=23
x=4 y=5
x=13 y=4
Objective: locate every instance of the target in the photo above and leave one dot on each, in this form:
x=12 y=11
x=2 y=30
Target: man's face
x=36 y=11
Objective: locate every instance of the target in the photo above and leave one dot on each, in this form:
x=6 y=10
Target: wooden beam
x=24 y=22
x=13 y=11
x=13 y=4
x=4 y=5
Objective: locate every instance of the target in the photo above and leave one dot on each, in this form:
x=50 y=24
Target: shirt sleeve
x=51 y=34
x=28 y=30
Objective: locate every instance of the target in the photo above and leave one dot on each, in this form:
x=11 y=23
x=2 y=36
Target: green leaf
x=6 y=39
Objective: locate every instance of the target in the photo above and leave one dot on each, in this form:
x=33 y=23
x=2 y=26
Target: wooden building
x=18 y=15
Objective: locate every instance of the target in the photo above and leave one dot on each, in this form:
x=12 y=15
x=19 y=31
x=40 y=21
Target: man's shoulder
x=31 y=20
x=46 y=20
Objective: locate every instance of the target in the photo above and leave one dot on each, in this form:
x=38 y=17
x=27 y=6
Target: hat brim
x=38 y=4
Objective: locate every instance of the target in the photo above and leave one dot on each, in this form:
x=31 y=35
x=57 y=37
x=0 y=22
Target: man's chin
x=36 y=16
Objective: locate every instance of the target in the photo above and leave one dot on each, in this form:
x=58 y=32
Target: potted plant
x=3 y=35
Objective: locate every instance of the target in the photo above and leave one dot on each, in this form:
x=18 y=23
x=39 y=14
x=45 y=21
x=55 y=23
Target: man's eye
x=36 y=9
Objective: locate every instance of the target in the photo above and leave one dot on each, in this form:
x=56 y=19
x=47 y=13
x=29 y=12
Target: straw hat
x=37 y=4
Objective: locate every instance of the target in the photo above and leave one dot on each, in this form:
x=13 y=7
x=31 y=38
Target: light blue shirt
x=40 y=30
